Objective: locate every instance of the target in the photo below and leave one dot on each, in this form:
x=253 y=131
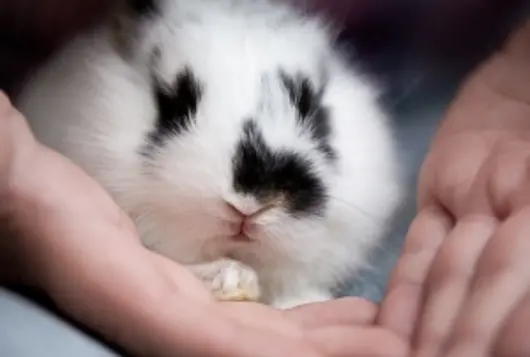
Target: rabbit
x=238 y=136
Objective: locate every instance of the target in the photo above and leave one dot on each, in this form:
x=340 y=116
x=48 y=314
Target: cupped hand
x=462 y=285
x=79 y=247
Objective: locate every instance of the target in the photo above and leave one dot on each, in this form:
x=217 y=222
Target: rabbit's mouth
x=241 y=238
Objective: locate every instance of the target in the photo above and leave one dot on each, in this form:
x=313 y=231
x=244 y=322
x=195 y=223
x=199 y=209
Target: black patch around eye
x=311 y=113
x=143 y=7
x=267 y=174
x=177 y=106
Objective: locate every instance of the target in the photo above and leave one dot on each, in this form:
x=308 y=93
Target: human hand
x=461 y=286
x=80 y=248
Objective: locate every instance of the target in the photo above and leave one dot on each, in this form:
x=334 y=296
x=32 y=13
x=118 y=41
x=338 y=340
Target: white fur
x=95 y=106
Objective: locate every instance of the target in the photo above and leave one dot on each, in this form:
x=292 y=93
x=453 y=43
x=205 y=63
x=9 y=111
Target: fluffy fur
x=95 y=103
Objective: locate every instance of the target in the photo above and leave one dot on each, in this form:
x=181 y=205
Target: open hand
x=462 y=285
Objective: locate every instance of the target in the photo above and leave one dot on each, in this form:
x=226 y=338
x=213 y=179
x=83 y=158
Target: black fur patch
x=311 y=113
x=267 y=174
x=177 y=106
x=143 y=7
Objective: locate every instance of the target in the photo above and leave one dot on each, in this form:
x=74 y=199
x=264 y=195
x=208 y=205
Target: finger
x=504 y=271
x=182 y=279
x=346 y=311
x=243 y=340
x=403 y=300
x=262 y=317
x=513 y=340
x=358 y=341
x=448 y=281
x=292 y=322
x=184 y=328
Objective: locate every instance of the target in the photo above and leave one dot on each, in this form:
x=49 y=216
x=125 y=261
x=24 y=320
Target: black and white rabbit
x=236 y=136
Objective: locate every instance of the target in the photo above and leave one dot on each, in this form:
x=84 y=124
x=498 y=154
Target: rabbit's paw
x=229 y=280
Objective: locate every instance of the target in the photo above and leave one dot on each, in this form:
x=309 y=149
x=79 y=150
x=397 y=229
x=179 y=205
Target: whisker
x=373 y=218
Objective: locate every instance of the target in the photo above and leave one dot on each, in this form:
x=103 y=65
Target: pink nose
x=248 y=226
x=244 y=225
x=235 y=211
x=242 y=222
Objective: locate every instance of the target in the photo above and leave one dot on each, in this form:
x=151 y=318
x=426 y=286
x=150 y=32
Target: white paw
x=289 y=302
x=229 y=280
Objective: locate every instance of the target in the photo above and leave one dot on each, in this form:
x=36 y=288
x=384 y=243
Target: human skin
x=461 y=286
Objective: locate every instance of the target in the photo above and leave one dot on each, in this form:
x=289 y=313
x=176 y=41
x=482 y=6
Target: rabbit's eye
x=301 y=94
x=177 y=105
x=312 y=115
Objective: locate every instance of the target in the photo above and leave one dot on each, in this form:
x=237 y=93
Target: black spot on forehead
x=312 y=115
x=267 y=174
x=177 y=106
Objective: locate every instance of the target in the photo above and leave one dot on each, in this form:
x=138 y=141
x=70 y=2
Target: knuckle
x=508 y=172
x=432 y=222
x=419 y=252
x=455 y=264
x=457 y=169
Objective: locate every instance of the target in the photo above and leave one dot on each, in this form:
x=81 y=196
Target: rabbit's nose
x=248 y=227
x=252 y=209
x=236 y=218
x=242 y=223
x=236 y=213
x=245 y=226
